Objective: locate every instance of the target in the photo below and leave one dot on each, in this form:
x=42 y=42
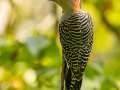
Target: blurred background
x=30 y=51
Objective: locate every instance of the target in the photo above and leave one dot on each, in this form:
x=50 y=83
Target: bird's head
x=69 y=5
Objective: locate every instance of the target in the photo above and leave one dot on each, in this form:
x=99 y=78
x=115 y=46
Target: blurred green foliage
x=30 y=51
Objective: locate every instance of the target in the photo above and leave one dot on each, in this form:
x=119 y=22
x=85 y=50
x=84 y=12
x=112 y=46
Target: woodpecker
x=76 y=37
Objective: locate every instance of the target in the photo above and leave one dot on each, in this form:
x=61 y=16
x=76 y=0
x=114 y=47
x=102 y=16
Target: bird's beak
x=51 y=0
x=55 y=1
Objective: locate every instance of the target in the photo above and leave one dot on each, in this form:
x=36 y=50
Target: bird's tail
x=71 y=83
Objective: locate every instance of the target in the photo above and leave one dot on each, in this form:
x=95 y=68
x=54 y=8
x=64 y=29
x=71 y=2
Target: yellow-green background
x=30 y=51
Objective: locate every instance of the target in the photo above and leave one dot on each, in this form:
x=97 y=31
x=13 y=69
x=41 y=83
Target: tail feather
x=78 y=85
x=71 y=83
x=68 y=79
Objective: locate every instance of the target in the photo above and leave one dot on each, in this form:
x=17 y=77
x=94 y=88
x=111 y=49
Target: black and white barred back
x=76 y=37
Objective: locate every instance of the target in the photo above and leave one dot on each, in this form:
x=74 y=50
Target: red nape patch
x=76 y=5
